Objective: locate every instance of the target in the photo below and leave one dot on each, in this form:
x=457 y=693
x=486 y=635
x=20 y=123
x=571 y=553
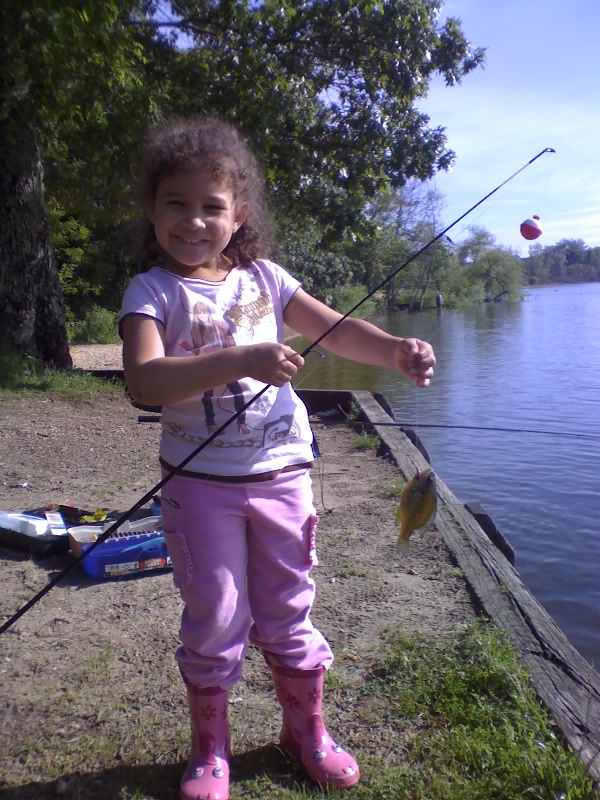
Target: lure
x=417 y=507
x=531 y=228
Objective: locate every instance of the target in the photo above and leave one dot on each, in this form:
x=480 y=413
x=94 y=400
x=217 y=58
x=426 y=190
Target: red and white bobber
x=531 y=228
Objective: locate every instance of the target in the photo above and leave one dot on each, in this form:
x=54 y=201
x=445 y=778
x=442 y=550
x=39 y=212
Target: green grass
x=366 y=441
x=446 y=717
x=394 y=489
x=354 y=411
x=27 y=374
x=441 y=718
x=478 y=731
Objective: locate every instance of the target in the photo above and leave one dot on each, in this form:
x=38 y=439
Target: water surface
x=533 y=365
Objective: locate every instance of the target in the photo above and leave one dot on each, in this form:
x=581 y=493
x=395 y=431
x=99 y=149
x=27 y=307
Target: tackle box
x=135 y=547
x=42 y=531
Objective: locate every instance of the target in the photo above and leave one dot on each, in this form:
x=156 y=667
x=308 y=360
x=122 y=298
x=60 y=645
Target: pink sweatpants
x=242 y=554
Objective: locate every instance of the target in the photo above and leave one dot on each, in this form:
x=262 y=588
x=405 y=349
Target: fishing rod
x=175 y=470
x=422 y=250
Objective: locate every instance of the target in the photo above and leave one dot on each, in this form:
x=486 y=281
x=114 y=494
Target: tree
x=497 y=270
x=567 y=261
x=32 y=319
x=326 y=90
x=63 y=65
x=406 y=221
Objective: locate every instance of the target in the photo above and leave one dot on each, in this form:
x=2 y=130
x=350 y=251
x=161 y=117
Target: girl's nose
x=195 y=221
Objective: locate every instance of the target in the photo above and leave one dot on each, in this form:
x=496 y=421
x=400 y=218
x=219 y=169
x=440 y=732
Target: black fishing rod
x=150 y=494
x=422 y=250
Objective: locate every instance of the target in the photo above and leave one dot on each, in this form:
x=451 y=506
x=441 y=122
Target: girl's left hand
x=415 y=359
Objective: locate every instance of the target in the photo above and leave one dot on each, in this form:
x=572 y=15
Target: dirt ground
x=92 y=701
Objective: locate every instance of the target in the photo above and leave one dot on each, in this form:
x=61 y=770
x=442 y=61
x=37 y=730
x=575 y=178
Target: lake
x=531 y=365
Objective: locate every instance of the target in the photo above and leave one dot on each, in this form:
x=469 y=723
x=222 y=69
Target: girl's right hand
x=272 y=363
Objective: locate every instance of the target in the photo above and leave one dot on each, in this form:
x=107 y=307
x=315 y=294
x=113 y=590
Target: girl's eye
x=174 y=203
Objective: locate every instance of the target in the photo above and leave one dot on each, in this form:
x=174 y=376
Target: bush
x=346 y=297
x=99 y=326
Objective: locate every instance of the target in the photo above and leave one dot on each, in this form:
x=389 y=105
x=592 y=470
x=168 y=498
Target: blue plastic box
x=135 y=547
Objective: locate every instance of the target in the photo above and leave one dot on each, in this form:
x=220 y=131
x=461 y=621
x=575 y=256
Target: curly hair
x=218 y=146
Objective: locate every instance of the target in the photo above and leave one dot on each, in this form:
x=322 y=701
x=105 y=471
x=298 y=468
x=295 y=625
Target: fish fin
x=402 y=547
x=427 y=527
x=400 y=515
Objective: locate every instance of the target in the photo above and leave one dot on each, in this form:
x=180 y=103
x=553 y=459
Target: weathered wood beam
x=563 y=680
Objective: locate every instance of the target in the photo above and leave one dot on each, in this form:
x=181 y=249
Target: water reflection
x=532 y=364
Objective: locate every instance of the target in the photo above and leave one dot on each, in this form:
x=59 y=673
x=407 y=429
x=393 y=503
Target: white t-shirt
x=246 y=308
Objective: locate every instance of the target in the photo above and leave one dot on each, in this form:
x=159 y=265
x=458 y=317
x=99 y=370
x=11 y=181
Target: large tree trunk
x=32 y=311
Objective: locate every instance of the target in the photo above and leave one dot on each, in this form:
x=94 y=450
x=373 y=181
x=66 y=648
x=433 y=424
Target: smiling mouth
x=191 y=241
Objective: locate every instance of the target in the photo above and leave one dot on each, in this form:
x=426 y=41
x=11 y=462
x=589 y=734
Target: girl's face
x=194 y=216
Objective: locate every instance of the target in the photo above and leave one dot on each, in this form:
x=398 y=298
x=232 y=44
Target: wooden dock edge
x=565 y=683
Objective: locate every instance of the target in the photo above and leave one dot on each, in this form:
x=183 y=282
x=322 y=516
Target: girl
x=202 y=328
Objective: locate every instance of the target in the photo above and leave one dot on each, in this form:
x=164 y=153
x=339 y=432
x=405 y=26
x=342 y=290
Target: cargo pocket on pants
x=181 y=558
x=313 y=521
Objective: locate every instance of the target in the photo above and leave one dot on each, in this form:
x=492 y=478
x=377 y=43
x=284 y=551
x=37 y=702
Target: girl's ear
x=241 y=212
x=149 y=209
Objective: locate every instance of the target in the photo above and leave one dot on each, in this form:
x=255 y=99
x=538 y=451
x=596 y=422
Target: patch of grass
x=351 y=570
x=394 y=489
x=446 y=717
x=455 y=572
x=480 y=733
x=354 y=411
x=137 y=795
x=27 y=374
x=366 y=441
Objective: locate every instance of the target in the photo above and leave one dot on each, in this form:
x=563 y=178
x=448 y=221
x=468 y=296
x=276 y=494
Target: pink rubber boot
x=207 y=774
x=300 y=693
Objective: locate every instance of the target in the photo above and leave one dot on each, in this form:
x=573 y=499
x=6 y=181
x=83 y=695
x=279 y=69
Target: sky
x=539 y=88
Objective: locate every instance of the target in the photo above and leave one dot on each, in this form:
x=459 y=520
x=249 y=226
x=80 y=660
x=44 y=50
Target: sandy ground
x=96 y=356
x=116 y=638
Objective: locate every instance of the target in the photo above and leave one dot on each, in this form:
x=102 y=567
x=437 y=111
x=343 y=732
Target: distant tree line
x=568 y=261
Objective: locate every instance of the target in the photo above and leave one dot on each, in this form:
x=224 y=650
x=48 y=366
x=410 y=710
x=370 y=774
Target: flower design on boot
x=303 y=733
x=292 y=701
x=206 y=776
x=207 y=712
x=313 y=696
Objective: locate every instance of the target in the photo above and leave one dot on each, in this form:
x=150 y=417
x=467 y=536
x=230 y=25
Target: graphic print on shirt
x=238 y=323
x=247 y=316
x=278 y=431
x=209 y=333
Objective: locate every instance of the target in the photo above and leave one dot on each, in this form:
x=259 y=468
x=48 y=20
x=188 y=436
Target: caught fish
x=417 y=507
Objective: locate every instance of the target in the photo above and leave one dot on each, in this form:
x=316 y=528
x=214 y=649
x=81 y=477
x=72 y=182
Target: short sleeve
x=143 y=296
x=287 y=285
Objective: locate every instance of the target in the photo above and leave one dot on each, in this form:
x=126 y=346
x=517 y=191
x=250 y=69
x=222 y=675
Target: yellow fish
x=417 y=507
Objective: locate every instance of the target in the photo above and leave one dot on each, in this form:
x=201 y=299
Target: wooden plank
x=563 y=680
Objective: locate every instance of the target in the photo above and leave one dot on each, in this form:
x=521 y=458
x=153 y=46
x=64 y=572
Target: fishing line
x=319 y=463
x=574 y=434
x=298 y=384
x=502 y=195
x=550 y=173
x=171 y=473
x=485 y=211
x=418 y=253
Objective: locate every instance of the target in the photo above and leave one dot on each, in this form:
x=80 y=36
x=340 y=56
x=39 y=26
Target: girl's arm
x=154 y=378
x=359 y=340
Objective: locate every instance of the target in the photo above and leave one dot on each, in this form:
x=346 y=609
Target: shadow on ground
x=160 y=782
